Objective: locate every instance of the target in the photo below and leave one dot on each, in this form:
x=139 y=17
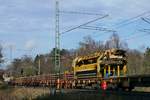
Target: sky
x=27 y=27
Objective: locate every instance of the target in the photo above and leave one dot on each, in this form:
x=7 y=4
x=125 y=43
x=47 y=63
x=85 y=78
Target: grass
x=30 y=93
x=21 y=93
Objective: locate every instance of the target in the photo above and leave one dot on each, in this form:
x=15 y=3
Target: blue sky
x=28 y=25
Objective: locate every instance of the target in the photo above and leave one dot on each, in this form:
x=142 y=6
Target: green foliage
x=29 y=71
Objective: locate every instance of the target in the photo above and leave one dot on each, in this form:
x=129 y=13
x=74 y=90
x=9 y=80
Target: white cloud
x=30 y=44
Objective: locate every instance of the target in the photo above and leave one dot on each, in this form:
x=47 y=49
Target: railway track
x=88 y=94
x=91 y=94
x=104 y=91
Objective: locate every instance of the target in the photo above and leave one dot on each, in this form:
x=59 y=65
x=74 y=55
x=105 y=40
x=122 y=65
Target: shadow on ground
x=93 y=96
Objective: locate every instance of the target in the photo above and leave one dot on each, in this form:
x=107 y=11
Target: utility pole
x=11 y=52
x=39 y=67
x=57 y=39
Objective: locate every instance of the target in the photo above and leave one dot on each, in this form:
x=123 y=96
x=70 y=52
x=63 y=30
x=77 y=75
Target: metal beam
x=57 y=39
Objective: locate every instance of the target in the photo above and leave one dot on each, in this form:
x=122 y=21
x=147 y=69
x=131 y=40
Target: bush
x=3 y=86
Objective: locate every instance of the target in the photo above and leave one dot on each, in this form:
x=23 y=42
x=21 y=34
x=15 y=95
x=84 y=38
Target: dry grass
x=22 y=93
x=142 y=89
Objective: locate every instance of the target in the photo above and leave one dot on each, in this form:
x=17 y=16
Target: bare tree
x=115 y=42
x=135 y=62
x=22 y=66
x=1 y=55
x=146 y=63
x=89 y=45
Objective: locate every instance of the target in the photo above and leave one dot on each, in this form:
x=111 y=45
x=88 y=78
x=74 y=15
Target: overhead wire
x=91 y=21
x=138 y=35
x=123 y=23
x=105 y=30
x=146 y=20
x=131 y=20
x=97 y=28
x=147 y=31
x=82 y=13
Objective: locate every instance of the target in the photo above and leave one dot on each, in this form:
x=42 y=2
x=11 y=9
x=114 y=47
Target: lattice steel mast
x=57 y=39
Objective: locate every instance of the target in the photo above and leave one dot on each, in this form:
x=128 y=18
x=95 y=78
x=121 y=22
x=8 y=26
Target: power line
x=97 y=28
x=145 y=30
x=91 y=21
x=131 y=20
x=126 y=24
x=139 y=35
x=146 y=20
x=81 y=13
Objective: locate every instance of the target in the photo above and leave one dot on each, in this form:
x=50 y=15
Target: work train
x=104 y=69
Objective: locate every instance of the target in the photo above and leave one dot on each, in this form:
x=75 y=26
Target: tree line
x=138 y=62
